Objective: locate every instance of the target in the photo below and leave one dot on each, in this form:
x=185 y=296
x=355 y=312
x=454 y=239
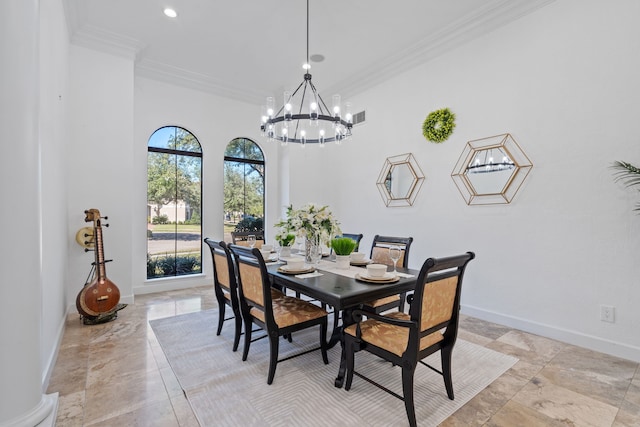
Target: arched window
x=243 y=187
x=174 y=203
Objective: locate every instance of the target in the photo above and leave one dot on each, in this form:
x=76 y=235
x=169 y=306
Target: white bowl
x=295 y=264
x=267 y=248
x=357 y=256
x=265 y=254
x=376 y=270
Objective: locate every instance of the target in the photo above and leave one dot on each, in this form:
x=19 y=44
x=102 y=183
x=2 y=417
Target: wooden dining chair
x=277 y=314
x=225 y=286
x=406 y=339
x=240 y=238
x=380 y=255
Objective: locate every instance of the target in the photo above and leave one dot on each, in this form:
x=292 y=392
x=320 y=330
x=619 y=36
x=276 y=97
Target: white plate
x=361 y=262
x=377 y=280
x=286 y=270
x=387 y=276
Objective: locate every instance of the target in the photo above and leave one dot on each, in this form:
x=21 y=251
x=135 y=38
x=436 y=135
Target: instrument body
x=101 y=295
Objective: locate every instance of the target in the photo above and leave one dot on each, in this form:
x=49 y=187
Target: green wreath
x=438 y=125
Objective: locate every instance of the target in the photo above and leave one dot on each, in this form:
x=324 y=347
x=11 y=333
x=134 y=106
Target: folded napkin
x=308 y=275
x=405 y=275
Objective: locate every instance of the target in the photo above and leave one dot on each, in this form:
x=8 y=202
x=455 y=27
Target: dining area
x=356 y=301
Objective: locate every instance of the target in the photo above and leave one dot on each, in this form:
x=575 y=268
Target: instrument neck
x=100 y=269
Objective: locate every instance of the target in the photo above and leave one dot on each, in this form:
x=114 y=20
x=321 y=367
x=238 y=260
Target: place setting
x=295 y=266
x=377 y=274
x=358 y=259
x=269 y=255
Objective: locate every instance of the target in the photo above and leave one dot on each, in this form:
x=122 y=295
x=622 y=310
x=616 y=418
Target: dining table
x=344 y=290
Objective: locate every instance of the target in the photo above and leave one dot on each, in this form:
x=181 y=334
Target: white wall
x=100 y=156
x=54 y=58
x=563 y=81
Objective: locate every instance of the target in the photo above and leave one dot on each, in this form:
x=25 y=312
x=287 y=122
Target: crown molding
x=178 y=76
x=96 y=38
x=108 y=42
x=492 y=16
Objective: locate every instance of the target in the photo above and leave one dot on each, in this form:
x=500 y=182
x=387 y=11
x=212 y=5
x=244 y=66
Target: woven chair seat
x=391 y=337
x=289 y=311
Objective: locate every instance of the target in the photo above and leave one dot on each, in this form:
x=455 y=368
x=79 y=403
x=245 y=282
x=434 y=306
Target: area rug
x=225 y=391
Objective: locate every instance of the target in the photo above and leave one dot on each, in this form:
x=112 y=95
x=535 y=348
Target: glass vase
x=311 y=248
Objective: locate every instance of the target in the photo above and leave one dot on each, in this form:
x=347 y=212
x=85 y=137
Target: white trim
x=591 y=342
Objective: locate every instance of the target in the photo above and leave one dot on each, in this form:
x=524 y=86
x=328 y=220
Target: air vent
x=359 y=118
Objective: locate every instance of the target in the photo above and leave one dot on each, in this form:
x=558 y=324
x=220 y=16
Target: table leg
x=347 y=319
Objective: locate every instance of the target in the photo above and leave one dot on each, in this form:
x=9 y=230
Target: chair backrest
x=356 y=237
x=224 y=276
x=380 y=249
x=253 y=280
x=436 y=299
x=240 y=238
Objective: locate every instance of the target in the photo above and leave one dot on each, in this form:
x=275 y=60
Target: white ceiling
x=250 y=49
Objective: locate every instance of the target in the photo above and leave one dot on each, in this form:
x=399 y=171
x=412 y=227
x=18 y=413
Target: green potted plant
x=285 y=239
x=343 y=246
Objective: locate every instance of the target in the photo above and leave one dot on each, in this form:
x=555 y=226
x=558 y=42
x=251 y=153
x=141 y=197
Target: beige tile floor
x=115 y=374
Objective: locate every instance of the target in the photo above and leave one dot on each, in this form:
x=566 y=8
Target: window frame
x=177 y=153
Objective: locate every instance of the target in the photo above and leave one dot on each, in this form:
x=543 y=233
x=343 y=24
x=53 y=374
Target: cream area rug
x=225 y=391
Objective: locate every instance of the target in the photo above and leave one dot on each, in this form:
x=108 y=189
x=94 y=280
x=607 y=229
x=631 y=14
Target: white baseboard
x=591 y=342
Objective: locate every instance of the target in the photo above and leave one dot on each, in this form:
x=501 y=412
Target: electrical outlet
x=608 y=313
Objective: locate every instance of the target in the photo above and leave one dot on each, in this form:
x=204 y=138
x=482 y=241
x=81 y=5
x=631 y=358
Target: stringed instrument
x=101 y=295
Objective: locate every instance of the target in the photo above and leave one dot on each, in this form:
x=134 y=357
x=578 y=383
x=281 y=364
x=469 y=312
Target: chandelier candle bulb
x=271 y=105
x=287 y=106
x=347 y=112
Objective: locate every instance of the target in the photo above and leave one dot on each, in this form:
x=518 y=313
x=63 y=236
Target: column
x=22 y=402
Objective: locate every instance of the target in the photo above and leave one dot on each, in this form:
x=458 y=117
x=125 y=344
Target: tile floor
x=115 y=374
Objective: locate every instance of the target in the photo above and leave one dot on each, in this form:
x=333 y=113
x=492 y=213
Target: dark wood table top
x=339 y=291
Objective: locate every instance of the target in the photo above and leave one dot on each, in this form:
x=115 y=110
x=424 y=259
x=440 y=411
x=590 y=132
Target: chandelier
x=304 y=117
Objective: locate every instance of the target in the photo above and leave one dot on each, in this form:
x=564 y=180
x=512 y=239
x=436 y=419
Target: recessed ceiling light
x=170 y=13
x=317 y=57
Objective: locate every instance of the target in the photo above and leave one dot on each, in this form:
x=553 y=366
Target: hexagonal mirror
x=400 y=180
x=491 y=170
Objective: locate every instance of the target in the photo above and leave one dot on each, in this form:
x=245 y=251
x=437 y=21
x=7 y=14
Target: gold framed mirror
x=491 y=170
x=400 y=180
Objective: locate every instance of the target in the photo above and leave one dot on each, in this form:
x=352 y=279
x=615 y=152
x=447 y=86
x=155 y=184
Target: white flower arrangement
x=310 y=221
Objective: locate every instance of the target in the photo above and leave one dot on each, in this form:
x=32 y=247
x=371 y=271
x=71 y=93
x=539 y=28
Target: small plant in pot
x=343 y=246
x=285 y=239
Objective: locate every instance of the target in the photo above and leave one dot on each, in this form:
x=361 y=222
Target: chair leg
x=238 y=332
x=445 y=356
x=274 y=343
x=221 y=308
x=323 y=341
x=349 y=351
x=403 y=297
x=407 y=390
x=247 y=337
